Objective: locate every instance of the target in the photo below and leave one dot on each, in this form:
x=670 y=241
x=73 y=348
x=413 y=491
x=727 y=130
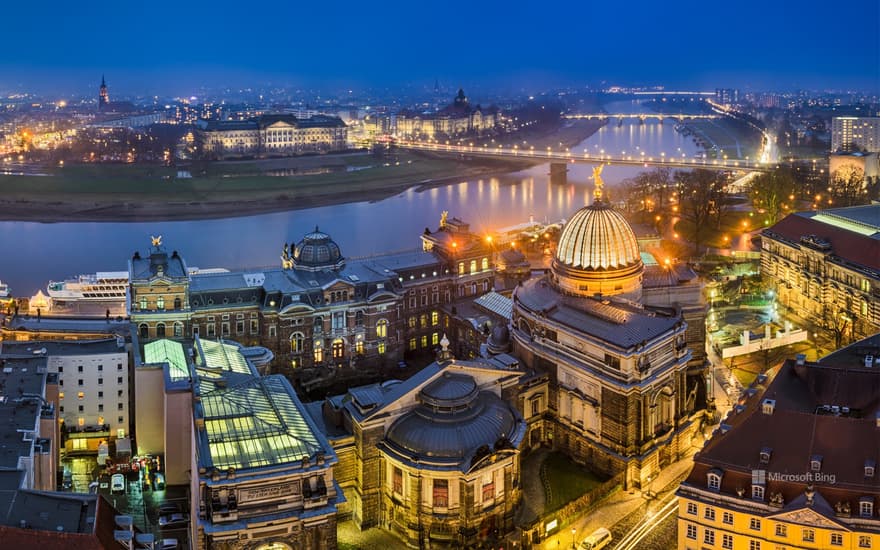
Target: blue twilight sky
x=168 y=47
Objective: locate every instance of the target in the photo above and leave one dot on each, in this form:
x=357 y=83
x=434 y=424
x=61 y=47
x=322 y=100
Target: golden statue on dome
x=443 y=217
x=157 y=241
x=597 y=180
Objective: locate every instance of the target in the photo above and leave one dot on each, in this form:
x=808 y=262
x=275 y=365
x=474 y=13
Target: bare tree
x=848 y=185
x=701 y=190
x=771 y=191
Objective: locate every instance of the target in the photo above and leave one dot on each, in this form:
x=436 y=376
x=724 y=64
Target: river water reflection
x=33 y=253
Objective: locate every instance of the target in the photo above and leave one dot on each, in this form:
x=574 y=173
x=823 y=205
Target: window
x=380 y=348
x=754 y=545
x=866 y=507
x=80 y=395
x=224 y=328
x=727 y=518
x=473 y=266
x=177 y=303
x=808 y=535
x=100 y=395
x=80 y=408
x=79 y=368
x=709 y=513
x=119 y=380
x=755 y=524
x=119 y=393
x=100 y=381
x=119 y=406
x=423 y=320
x=100 y=420
x=61 y=395
x=864 y=541
x=758 y=492
x=318 y=325
x=441 y=493
x=118 y=366
x=273 y=331
x=160 y=302
x=338 y=320
x=338 y=348
x=81 y=422
x=359 y=346
x=255 y=326
x=714 y=481
x=100 y=368
x=485 y=264
x=101 y=409
x=60 y=369
x=709 y=537
x=319 y=351
x=424 y=340
x=836 y=539
x=727 y=541
x=160 y=330
x=143 y=303
x=297 y=342
x=411 y=322
x=869 y=468
x=79 y=382
x=359 y=319
x=781 y=530
x=435 y=338
x=488 y=487
x=461 y=268
x=382 y=328
x=397 y=481
x=692 y=531
x=210 y=331
x=413 y=344
x=435 y=318
x=120 y=419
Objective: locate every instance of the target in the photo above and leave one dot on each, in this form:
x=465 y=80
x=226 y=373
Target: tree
x=772 y=191
x=848 y=185
x=700 y=191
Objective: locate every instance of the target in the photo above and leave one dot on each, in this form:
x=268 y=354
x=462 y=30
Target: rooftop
x=62 y=347
x=22 y=385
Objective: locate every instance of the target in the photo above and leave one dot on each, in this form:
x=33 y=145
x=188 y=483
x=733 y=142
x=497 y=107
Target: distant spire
x=103 y=83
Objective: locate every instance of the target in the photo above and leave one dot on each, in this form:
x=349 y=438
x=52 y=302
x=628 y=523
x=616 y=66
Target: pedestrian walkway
x=350 y=537
x=534 y=497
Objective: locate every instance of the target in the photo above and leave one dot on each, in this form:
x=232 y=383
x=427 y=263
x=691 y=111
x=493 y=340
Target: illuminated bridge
x=569 y=157
x=640 y=116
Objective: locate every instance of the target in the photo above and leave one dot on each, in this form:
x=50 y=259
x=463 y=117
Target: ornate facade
x=271 y=135
x=611 y=372
x=457 y=119
x=826 y=266
x=434 y=459
x=319 y=308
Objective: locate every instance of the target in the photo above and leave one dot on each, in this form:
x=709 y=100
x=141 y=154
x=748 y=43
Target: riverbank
x=130 y=193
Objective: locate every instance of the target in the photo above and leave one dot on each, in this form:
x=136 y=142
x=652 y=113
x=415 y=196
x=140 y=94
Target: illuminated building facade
x=793 y=465
x=458 y=119
x=850 y=133
x=271 y=135
x=103 y=95
x=319 y=308
x=826 y=265
x=261 y=472
x=615 y=390
x=434 y=459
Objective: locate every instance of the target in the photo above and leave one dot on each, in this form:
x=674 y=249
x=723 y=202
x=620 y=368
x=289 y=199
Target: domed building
x=616 y=385
x=315 y=252
x=434 y=459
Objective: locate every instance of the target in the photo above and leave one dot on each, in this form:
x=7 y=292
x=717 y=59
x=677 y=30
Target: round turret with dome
x=315 y=252
x=598 y=253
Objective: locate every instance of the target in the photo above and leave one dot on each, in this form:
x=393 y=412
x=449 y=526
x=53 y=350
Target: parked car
x=173 y=520
x=117 y=484
x=600 y=538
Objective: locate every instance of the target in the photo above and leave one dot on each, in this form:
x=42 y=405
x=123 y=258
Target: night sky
x=174 y=47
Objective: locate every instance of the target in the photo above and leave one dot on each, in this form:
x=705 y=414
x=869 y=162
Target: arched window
x=473 y=266
x=178 y=329
x=143 y=303
x=319 y=351
x=338 y=348
x=297 y=342
x=382 y=329
x=143 y=331
x=319 y=324
x=160 y=330
x=160 y=302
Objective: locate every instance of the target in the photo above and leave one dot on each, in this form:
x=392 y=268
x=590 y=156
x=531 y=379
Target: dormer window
x=870 y=465
x=768 y=405
x=757 y=492
x=866 y=507
x=765 y=455
x=713 y=479
x=816 y=463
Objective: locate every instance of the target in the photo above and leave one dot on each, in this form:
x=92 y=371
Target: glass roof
x=257 y=423
x=224 y=357
x=171 y=352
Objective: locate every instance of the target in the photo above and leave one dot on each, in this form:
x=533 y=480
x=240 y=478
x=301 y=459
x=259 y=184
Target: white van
x=600 y=538
x=117 y=484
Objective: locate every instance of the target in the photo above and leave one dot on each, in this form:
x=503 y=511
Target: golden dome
x=598 y=254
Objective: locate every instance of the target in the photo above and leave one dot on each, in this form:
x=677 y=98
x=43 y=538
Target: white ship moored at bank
x=4 y=290
x=101 y=286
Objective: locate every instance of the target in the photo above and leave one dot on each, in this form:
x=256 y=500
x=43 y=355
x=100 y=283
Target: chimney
x=800 y=358
x=768 y=405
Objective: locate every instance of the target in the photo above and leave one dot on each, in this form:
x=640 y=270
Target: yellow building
x=457 y=119
x=826 y=265
x=793 y=465
x=271 y=135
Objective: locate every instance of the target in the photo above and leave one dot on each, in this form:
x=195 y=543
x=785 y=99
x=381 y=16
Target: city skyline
x=756 y=46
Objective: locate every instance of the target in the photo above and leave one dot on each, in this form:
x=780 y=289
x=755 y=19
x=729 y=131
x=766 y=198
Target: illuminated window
x=359 y=347
x=441 y=493
x=435 y=338
x=435 y=318
x=380 y=348
x=485 y=264
x=461 y=268
x=178 y=329
x=61 y=395
x=160 y=302
x=382 y=328
x=413 y=344
x=423 y=320
x=473 y=266
x=81 y=421
x=100 y=420
x=488 y=487
x=319 y=351
x=338 y=348
x=80 y=395
x=143 y=302
x=781 y=530
x=864 y=541
x=808 y=535
x=424 y=341
x=412 y=321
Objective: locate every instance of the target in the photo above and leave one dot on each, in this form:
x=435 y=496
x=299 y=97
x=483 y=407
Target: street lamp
x=573 y=531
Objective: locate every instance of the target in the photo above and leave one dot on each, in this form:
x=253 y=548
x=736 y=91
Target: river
x=34 y=253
